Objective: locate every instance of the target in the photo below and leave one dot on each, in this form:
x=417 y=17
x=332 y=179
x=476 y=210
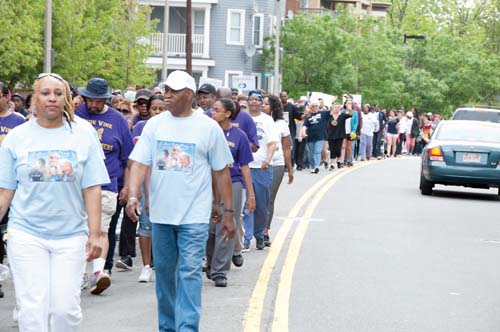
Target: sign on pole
x=244 y=83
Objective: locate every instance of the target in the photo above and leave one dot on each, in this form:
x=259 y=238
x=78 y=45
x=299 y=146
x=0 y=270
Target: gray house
x=223 y=34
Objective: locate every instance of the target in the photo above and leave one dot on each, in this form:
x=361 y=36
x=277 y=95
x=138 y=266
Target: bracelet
x=228 y=210
x=133 y=199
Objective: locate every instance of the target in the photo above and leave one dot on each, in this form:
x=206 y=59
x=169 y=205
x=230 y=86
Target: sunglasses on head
x=56 y=76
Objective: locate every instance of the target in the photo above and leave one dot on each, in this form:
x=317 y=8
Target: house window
x=198 y=22
x=258 y=30
x=235 y=27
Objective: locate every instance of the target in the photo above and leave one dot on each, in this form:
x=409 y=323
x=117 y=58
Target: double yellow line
x=253 y=315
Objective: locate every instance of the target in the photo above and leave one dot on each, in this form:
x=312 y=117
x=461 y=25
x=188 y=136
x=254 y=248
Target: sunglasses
x=56 y=76
x=141 y=102
x=124 y=110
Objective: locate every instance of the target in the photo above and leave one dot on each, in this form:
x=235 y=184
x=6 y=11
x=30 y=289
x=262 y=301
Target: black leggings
x=335 y=146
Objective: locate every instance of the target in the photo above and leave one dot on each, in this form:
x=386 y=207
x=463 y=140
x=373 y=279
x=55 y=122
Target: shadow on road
x=466 y=195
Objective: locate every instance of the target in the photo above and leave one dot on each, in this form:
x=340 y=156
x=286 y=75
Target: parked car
x=477 y=114
x=462 y=153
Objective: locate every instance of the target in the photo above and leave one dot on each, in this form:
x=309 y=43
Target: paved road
x=375 y=256
x=399 y=261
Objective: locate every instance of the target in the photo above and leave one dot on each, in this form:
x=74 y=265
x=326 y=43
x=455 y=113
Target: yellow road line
x=282 y=304
x=253 y=315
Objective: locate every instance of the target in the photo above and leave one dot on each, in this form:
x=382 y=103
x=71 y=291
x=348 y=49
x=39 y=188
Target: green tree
x=100 y=38
x=21 y=41
x=129 y=40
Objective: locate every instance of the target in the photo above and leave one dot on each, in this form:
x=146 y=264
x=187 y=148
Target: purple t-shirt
x=137 y=131
x=9 y=122
x=116 y=141
x=238 y=143
x=245 y=122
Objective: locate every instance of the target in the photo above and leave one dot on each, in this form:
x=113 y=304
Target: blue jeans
x=315 y=153
x=178 y=253
x=255 y=223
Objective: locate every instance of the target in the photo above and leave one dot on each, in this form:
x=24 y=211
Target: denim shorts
x=145 y=228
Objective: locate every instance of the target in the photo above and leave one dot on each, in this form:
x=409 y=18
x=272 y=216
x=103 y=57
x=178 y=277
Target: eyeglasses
x=219 y=110
x=56 y=76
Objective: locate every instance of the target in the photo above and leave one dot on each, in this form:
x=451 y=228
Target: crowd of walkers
x=192 y=172
x=339 y=135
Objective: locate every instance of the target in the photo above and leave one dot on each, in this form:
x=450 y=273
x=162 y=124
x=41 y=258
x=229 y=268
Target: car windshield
x=469 y=132
x=477 y=115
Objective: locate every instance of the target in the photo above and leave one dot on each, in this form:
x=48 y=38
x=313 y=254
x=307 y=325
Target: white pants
x=47 y=275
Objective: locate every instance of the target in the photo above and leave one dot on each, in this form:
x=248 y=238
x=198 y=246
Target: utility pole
x=276 y=82
x=166 y=13
x=189 y=35
x=47 y=58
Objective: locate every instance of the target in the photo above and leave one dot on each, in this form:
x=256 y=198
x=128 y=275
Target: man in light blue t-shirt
x=184 y=149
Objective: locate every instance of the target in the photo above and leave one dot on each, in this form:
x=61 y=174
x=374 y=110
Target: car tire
x=425 y=186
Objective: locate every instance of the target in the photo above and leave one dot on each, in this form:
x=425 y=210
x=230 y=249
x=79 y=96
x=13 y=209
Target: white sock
x=147 y=266
x=98 y=265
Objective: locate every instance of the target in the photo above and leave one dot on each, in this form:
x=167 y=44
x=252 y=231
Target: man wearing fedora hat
x=116 y=141
x=181 y=198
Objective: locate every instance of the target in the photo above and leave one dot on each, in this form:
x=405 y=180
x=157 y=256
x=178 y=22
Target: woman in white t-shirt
x=282 y=157
x=51 y=172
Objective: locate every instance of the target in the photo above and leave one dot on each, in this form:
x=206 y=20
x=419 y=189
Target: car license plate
x=471 y=158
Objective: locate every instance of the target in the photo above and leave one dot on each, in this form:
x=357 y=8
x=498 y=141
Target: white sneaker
x=85 y=281
x=146 y=274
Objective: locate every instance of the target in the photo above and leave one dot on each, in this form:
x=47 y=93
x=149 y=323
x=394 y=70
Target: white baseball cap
x=178 y=80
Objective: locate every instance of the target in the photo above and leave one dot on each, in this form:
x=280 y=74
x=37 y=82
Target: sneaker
x=204 y=264
x=267 y=240
x=299 y=168
x=238 y=260
x=312 y=171
x=124 y=263
x=146 y=274
x=246 y=248
x=1 y=292
x=208 y=272
x=332 y=168
x=260 y=244
x=220 y=282
x=316 y=170
x=85 y=281
x=99 y=283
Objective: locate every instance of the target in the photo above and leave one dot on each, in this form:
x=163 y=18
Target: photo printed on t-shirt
x=52 y=166
x=175 y=156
